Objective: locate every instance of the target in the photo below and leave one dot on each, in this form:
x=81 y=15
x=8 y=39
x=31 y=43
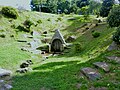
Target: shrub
x=10 y=12
x=23 y=28
x=77 y=47
x=48 y=19
x=59 y=19
x=2 y=35
x=28 y=23
x=95 y=34
x=114 y=17
x=39 y=21
x=62 y=15
x=116 y=36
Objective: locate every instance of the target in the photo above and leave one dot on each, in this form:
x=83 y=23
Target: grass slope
x=60 y=72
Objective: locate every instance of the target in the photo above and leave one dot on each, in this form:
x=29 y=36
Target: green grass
x=59 y=72
x=10 y=54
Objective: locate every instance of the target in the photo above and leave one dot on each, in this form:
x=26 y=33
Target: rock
x=24 y=65
x=114 y=58
x=103 y=66
x=21 y=40
x=98 y=88
x=46 y=40
x=90 y=73
x=34 y=44
x=5 y=73
x=43 y=52
x=45 y=32
x=29 y=62
x=23 y=70
x=7 y=87
x=78 y=86
x=36 y=34
x=114 y=46
x=71 y=39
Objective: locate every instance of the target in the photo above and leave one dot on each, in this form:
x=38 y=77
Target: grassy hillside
x=59 y=72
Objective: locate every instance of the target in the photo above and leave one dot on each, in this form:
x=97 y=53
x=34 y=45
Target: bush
x=2 y=35
x=23 y=28
x=77 y=47
x=48 y=19
x=28 y=23
x=116 y=36
x=59 y=19
x=39 y=21
x=10 y=12
x=95 y=34
x=114 y=17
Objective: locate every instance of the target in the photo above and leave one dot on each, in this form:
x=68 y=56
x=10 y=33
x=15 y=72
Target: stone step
x=91 y=73
x=114 y=58
x=4 y=73
x=104 y=66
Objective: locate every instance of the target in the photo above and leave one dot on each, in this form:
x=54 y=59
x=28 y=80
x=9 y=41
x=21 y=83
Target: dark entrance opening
x=56 y=46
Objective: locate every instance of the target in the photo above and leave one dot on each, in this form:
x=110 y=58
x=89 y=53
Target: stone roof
x=59 y=36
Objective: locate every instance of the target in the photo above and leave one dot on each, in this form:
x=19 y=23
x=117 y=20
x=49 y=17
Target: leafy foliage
x=77 y=47
x=58 y=6
x=114 y=17
x=116 y=36
x=10 y=12
x=95 y=34
x=106 y=7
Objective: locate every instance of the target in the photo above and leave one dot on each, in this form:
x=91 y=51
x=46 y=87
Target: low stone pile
x=5 y=79
x=24 y=67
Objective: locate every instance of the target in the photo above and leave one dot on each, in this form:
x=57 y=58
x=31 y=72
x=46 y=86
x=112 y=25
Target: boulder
x=71 y=39
x=90 y=73
x=104 y=66
x=24 y=65
x=114 y=46
x=4 y=73
x=114 y=58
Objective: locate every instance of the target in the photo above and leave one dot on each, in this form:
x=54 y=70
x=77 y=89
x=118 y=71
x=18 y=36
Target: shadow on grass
x=60 y=78
x=60 y=75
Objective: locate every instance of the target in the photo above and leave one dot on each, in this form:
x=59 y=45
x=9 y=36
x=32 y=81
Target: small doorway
x=56 y=46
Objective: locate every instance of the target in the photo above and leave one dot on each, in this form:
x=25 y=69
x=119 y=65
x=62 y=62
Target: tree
x=94 y=7
x=106 y=7
x=114 y=17
x=116 y=36
x=82 y=3
x=114 y=21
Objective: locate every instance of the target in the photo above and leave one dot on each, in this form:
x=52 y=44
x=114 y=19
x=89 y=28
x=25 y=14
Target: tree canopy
x=106 y=7
x=58 y=6
x=114 y=17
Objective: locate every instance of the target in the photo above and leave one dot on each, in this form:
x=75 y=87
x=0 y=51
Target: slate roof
x=59 y=36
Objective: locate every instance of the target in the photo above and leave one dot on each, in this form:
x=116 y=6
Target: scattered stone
x=46 y=40
x=7 y=87
x=103 y=66
x=24 y=49
x=43 y=52
x=24 y=65
x=115 y=58
x=96 y=24
x=71 y=39
x=23 y=70
x=29 y=62
x=114 y=46
x=4 y=73
x=98 y=88
x=34 y=44
x=45 y=32
x=78 y=86
x=21 y=40
x=91 y=74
